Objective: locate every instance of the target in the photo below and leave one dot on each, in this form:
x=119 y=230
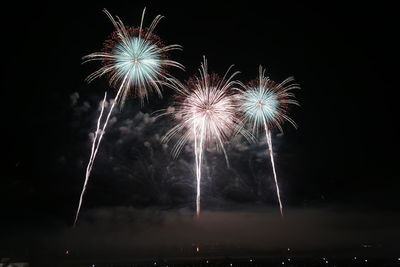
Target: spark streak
x=89 y=166
x=271 y=155
x=95 y=146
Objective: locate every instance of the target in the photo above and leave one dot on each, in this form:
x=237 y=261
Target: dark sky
x=343 y=158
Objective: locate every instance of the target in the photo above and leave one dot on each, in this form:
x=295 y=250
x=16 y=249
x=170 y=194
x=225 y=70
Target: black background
x=343 y=56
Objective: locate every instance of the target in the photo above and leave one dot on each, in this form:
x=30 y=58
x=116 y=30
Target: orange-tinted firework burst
x=206 y=112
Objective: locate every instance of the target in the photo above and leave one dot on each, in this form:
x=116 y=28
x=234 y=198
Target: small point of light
x=326 y=262
x=355 y=258
x=288 y=249
x=231 y=264
x=288 y=259
x=251 y=260
x=197 y=249
x=366 y=260
x=206 y=261
x=283 y=263
x=323 y=258
x=66 y=252
x=155 y=263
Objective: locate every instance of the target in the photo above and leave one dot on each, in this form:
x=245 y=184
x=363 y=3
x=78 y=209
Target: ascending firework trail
x=135 y=61
x=206 y=112
x=265 y=105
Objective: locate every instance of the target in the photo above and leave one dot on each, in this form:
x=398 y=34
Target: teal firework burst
x=134 y=59
x=264 y=104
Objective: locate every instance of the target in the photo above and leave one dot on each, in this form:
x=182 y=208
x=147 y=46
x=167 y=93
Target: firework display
x=264 y=104
x=207 y=109
x=206 y=112
x=135 y=61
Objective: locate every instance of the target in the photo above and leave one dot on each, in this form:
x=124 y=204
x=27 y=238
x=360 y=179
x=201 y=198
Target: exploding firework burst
x=135 y=61
x=206 y=111
x=265 y=105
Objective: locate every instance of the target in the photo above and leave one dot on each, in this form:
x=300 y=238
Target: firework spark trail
x=198 y=150
x=95 y=146
x=96 y=134
x=271 y=155
x=198 y=170
x=264 y=103
x=89 y=165
x=106 y=122
x=135 y=60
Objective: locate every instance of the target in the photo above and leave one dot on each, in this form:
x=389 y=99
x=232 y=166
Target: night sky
x=338 y=171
